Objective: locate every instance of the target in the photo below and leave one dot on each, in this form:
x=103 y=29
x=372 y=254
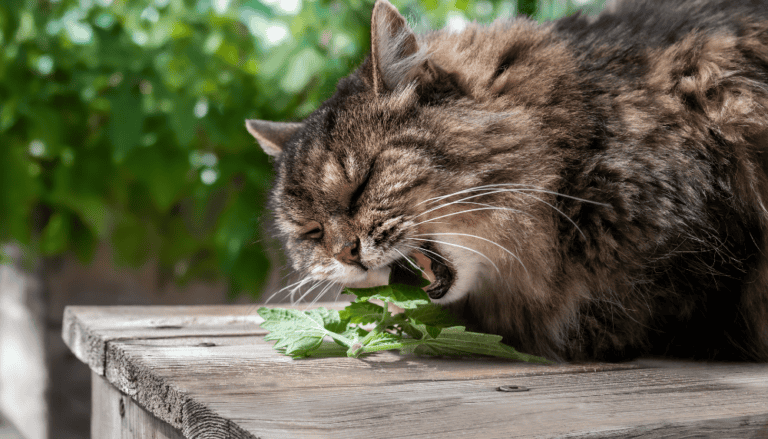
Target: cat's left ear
x=395 y=54
x=272 y=136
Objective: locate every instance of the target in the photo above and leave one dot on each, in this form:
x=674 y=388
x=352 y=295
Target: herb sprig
x=422 y=328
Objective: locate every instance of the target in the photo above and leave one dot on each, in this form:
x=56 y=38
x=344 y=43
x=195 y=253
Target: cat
x=592 y=188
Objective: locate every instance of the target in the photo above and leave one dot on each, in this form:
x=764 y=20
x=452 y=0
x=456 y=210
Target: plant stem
x=357 y=348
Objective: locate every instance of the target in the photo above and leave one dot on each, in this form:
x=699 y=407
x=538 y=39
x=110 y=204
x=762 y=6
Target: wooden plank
x=253 y=355
x=87 y=329
x=207 y=382
x=116 y=416
x=387 y=395
x=132 y=365
x=421 y=397
x=754 y=427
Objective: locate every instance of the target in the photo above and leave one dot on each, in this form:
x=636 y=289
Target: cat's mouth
x=432 y=265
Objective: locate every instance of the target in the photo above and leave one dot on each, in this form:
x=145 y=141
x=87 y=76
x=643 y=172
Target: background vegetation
x=123 y=120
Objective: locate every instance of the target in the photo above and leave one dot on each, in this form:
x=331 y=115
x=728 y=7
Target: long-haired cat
x=589 y=188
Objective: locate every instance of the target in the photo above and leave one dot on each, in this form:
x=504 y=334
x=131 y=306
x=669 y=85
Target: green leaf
x=183 y=120
x=432 y=315
x=55 y=235
x=383 y=339
x=328 y=349
x=8 y=113
x=362 y=313
x=433 y=331
x=83 y=242
x=126 y=121
x=354 y=334
x=301 y=69
x=162 y=170
x=17 y=195
x=331 y=319
x=133 y=241
x=404 y=296
x=298 y=333
x=90 y=209
x=458 y=341
x=46 y=127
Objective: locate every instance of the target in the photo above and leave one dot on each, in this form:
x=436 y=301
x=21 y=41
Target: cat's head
x=400 y=162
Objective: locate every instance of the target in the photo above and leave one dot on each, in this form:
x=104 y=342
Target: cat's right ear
x=395 y=54
x=272 y=136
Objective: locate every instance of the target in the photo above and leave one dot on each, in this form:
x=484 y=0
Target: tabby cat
x=593 y=188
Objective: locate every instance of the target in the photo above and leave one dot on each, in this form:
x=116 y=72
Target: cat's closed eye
x=355 y=197
x=312 y=230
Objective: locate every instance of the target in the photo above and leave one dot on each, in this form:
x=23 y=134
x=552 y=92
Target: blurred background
x=126 y=173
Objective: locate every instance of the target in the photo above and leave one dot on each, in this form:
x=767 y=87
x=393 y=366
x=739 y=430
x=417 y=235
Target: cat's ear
x=395 y=54
x=272 y=135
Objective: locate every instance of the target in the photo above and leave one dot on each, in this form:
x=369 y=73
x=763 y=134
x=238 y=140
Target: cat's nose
x=350 y=254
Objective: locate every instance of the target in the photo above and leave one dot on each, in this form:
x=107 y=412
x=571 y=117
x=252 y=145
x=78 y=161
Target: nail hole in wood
x=512 y=389
x=207 y=344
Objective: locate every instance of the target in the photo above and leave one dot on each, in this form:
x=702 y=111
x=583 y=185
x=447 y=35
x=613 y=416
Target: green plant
x=122 y=121
x=422 y=328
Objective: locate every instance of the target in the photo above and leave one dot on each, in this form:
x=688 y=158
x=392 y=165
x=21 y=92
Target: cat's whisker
x=397 y=262
x=472 y=189
x=483 y=239
x=460 y=246
x=293 y=292
x=489 y=207
x=424 y=250
x=522 y=192
x=301 y=281
x=504 y=187
x=411 y=262
x=289 y=274
x=535 y=189
x=459 y=201
x=322 y=282
x=338 y=293
x=558 y=211
x=318 y=295
x=321 y=294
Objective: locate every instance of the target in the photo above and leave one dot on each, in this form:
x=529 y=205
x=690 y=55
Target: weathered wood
x=252 y=355
x=754 y=427
x=117 y=416
x=87 y=329
x=233 y=384
x=435 y=397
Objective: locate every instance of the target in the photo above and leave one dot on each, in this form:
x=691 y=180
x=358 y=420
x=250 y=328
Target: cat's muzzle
x=431 y=264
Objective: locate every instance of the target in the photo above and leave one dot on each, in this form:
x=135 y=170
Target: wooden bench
x=206 y=372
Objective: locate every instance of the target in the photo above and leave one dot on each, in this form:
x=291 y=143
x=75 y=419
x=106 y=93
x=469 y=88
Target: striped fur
x=591 y=188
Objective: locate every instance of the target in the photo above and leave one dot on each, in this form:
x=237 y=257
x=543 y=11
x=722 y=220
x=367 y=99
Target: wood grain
x=87 y=329
x=418 y=397
x=208 y=381
x=117 y=416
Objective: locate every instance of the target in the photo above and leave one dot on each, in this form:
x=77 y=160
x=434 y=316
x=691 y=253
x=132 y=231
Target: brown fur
x=637 y=157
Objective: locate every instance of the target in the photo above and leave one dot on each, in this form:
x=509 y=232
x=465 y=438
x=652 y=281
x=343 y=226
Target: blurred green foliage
x=123 y=120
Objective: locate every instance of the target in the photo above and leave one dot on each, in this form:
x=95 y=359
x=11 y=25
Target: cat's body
x=587 y=188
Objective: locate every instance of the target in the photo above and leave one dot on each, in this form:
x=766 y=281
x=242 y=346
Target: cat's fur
x=605 y=179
